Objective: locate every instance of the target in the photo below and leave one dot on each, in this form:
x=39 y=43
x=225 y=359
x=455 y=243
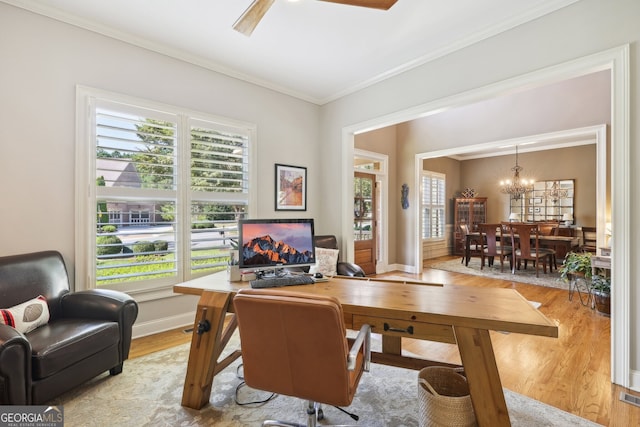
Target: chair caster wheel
x=320 y=414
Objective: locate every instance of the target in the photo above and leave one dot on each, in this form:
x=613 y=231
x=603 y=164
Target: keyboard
x=278 y=281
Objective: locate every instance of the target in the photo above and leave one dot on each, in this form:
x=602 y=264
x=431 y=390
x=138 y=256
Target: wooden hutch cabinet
x=470 y=211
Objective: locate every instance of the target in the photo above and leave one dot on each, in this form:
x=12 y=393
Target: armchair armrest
x=102 y=304
x=15 y=366
x=362 y=341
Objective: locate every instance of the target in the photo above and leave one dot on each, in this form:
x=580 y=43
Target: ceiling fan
x=254 y=13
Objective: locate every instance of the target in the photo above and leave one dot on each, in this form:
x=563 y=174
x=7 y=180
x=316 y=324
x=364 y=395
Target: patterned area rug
x=522 y=276
x=149 y=391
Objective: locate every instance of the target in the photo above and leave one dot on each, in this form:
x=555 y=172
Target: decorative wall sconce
x=405 y=196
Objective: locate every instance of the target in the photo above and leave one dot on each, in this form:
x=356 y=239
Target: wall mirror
x=548 y=201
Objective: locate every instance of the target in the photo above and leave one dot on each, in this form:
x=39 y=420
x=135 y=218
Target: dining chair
x=473 y=245
x=589 y=239
x=561 y=250
x=493 y=245
x=295 y=344
x=546 y=227
x=526 y=247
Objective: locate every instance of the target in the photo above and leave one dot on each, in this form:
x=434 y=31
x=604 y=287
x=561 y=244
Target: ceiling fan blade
x=374 y=4
x=252 y=16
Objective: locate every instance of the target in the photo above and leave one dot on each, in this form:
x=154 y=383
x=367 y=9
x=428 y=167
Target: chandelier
x=516 y=187
x=555 y=193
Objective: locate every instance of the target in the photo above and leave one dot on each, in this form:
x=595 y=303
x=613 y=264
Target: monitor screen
x=276 y=243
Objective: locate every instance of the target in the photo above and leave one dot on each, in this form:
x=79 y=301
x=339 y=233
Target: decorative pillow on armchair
x=27 y=316
x=326 y=261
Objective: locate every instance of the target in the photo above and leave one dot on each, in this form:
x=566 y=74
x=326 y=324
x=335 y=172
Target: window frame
x=86 y=196
x=423 y=205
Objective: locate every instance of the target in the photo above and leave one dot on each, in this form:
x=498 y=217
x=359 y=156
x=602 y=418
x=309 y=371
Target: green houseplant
x=576 y=270
x=601 y=288
x=576 y=264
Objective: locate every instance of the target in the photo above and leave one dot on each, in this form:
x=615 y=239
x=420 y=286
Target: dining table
x=568 y=242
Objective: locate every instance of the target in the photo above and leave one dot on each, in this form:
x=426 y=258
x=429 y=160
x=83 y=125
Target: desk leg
x=481 y=370
x=391 y=344
x=205 y=348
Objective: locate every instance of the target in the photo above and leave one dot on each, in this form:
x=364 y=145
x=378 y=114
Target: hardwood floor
x=571 y=372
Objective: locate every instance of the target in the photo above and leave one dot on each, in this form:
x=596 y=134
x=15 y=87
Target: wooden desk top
x=496 y=309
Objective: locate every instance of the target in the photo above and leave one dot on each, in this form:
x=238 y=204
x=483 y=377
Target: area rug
x=149 y=391
x=550 y=279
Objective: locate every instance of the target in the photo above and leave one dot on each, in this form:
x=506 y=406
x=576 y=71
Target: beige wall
x=577 y=163
x=528 y=55
x=573 y=103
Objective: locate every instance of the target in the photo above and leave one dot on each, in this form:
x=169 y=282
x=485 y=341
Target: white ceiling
x=313 y=50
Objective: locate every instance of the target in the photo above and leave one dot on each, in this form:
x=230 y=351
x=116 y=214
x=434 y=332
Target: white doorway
x=378 y=165
x=617 y=61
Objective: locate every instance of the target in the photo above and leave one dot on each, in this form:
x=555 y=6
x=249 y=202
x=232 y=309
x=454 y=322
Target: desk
x=567 y=241
x=461 y=315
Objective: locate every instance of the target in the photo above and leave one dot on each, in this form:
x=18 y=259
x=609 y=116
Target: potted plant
x=576 y=264
x=601 y=289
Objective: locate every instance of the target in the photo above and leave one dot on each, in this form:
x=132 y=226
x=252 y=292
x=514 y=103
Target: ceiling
x=314 y=50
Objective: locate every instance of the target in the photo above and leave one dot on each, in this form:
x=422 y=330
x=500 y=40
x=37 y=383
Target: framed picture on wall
x=291 y=188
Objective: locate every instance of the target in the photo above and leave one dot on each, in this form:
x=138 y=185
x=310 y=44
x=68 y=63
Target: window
x=166 y=189
x=433 y=204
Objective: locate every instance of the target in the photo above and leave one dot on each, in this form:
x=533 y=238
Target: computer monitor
x=275 y=243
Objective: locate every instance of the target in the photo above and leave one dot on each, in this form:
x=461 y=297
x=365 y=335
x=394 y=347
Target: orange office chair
x=295 y=344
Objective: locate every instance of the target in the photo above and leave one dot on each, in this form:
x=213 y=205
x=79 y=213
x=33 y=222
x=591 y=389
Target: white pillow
x=326 y=261
x=27 y=316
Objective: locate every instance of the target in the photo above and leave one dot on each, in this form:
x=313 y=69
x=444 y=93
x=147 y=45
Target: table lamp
x=514 y=217
x=568 y=219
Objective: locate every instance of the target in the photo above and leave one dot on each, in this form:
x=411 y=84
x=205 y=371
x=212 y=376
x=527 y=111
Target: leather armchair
x=343 y=268
x=88 y=332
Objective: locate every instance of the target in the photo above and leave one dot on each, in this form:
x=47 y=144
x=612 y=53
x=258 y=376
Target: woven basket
x=444 y=398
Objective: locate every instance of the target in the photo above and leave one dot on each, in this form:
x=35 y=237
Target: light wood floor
x=571 y=373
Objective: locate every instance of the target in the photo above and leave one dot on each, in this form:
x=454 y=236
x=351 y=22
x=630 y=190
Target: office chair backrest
x=295 y=344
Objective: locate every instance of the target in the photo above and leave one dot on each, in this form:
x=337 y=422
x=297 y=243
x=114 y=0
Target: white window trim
x=444 y=178
x=85 y=194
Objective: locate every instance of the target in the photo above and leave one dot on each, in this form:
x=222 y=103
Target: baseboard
x=402 y=267
x=635 y=380
x=165 y=324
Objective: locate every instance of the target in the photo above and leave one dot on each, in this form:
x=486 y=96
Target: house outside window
x=166 y=188
x=433 y=205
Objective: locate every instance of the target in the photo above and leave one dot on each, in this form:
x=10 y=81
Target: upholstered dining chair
x=475 y=244
x=295 y=344
x=522 y=236
x=589 y=241
x=493 y=245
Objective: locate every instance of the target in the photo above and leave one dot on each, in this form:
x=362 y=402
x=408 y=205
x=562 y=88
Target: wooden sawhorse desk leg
x=207 y=342
x=482 y=374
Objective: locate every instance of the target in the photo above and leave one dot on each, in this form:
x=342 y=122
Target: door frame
x=615 y=59
x=382 y=179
